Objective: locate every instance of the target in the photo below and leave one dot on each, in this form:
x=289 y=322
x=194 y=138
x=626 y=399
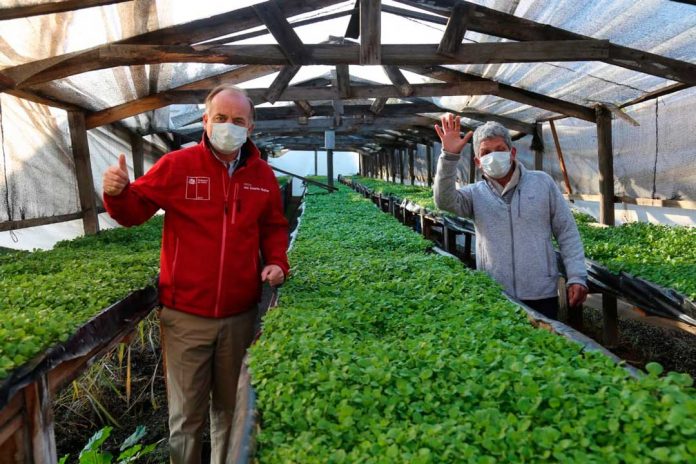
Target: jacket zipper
x=226 y=190
x=512 y=246
x=176 y=254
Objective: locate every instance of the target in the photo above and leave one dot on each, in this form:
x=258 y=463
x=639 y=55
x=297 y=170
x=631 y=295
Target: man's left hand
x=272 y=274
x=576 y=295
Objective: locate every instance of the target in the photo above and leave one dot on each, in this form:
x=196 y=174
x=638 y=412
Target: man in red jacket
x=222 y=206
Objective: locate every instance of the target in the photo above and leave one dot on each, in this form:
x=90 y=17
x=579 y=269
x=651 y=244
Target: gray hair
x=490 y=130
x=234 y=89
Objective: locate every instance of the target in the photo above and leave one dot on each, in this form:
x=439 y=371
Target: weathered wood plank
x=272 y=16
x=162 y=99
x=83 y=171
x=343 y=80
x=378 y=105
x=304 y=106
x=399 y=80
x=456 y=28
x=138 y=155
x=561 y=161
x=493 y=22
x=605 y=153
x=370 y=32
x=40 y=421
x=13 y=12
x=281 y=82
x=510 y=92
x=317 y=54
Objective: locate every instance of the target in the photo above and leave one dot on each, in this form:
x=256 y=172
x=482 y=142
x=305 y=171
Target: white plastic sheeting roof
x=658 y=26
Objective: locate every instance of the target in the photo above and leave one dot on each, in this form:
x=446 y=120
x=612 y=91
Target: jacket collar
x=249 y=152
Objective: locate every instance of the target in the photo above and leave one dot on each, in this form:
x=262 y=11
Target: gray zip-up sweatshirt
x=514 y=240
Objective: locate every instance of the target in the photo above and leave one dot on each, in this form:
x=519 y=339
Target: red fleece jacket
x=214 y=227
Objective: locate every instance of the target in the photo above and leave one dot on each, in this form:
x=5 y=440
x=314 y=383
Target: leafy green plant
x=47 y=295
x=130 y=450
x=665 y=255
x=382 y=352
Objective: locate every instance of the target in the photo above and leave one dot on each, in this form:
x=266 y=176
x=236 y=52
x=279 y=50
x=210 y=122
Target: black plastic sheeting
x=650 y=297
x=95 y=332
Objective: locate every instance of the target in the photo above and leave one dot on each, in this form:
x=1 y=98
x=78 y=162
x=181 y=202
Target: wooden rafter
x=281 y=82
x=492 y=22
x=378 y=105
x=304 y=106
x=272 y=16
x=181 y=34
x=13 y=12
x=397 y=78
x=293 y=93
x=370 y=32
x=510 y=92
x=456 y=28
x=343 y=80
x=327 y=54
x=162 y=99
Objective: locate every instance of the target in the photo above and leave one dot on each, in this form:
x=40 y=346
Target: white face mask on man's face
x=496 y=164
x=227 y=137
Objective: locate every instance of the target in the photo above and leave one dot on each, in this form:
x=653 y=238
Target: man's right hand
x=116 y=177
x=450 y=134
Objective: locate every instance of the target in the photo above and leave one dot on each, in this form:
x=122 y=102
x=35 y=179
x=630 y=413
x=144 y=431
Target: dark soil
x=78 y=416
x=641 y=343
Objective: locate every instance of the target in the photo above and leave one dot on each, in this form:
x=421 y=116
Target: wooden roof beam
x=162 y=99
x=456 y=28
x=370 y=32
x=181 y=34
x=399 y=80
x=378 y=105
x=293 y=93
x=13 y=12
x=272 y=16
x=281 y=82
x=343 y=80
x=328 y=54
x=493 y=22
x=509 y=92
x=303 y=105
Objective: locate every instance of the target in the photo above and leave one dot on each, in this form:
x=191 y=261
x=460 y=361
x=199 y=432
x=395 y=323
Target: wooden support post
x=426 y=226
x=370 y=32
x=450 y=240
x=138 y=156
x=393 y=163
x=429 y=159
x=538 y=147
x=606 y=166
x=611 y=321
x=316 y=163
x=83 y=171
x=40 y=418
x=378 y=105
x=401 y=165
x=569 y=189
x=467 y=249
x=361 y=165
x=411 y=163
x=329 y=167
x=343 y=80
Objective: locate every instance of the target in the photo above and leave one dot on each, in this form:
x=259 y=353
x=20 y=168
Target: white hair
x=490 y=130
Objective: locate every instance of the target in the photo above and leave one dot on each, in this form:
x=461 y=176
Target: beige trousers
x=202 y=357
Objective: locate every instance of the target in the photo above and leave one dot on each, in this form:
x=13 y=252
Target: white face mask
x=496 y=164
x=227 y=137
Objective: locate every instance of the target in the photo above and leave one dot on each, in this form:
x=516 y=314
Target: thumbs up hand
x=116 y=177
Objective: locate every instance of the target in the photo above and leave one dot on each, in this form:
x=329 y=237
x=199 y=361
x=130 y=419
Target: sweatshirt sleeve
x=566 y=232
x=274 y=232
x=445 y=193
x=142 y=197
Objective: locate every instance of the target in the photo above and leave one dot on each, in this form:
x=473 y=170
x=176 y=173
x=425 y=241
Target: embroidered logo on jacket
x=248 y=186
x=197 y=188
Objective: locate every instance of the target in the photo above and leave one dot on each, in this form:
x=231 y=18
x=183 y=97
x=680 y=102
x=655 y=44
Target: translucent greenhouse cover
x=656 y=159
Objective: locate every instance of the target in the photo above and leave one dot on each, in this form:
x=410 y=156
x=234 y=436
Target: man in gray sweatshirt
x=517 y=212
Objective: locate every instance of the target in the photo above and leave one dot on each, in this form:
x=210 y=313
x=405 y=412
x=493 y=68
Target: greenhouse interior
x=263 y=231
